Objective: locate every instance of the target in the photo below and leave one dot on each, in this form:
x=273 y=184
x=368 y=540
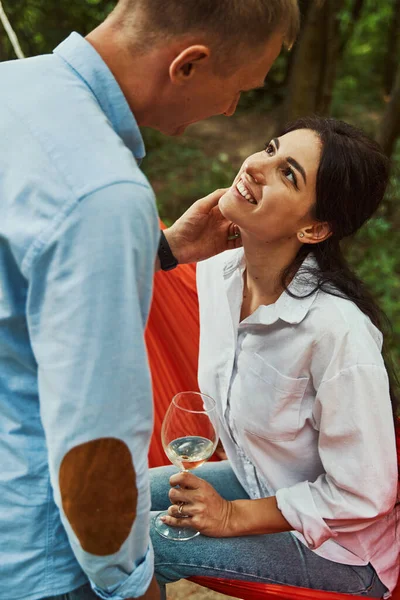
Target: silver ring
x=180 y=508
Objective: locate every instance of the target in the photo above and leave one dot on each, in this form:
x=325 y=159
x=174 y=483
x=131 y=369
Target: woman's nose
x=253 y=172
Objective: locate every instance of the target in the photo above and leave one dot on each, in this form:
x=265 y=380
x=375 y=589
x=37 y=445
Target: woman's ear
x=315 y=233
x=186 y=64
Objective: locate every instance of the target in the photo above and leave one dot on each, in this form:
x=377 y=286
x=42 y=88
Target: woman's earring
x=301 y=234
x=235 y=233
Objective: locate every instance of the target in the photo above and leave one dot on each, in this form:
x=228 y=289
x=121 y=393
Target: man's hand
x=202 y=231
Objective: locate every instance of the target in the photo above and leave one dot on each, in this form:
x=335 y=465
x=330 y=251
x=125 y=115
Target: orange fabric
x=261 y=591
x=172 y=345
x=172 y=342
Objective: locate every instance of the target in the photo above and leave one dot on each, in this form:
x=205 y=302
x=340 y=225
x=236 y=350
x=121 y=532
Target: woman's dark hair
x=351 y=181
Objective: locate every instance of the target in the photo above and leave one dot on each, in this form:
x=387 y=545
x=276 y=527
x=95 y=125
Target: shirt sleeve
x=358 y=453
x=89 y=295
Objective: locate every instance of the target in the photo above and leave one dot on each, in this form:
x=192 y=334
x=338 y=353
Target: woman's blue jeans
x=275 y=558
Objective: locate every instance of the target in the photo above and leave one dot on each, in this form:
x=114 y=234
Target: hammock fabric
x=172 y=342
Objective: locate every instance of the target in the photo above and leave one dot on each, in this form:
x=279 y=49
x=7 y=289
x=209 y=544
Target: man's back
x=67 y=152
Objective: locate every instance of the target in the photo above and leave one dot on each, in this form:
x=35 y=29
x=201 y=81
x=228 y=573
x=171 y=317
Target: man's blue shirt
x=78 y=237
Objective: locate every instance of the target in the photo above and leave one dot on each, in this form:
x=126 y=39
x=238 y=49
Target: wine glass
x=189 y=438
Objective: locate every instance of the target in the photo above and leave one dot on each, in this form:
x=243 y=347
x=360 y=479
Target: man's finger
x=208 y=202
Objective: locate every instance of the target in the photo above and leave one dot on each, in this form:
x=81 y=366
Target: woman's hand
x=213 y=516
x=206 y=510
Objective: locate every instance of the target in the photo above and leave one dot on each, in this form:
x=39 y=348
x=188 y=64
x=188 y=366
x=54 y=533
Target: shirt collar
x=287 y=308
x=91 y=68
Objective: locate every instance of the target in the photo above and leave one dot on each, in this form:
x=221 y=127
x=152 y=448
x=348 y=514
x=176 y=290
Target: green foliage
x=273 y=93
x=41 y=25
x=359 y=85
x=374 y=253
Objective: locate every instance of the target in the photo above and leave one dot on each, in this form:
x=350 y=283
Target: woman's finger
x=185 y=479
x=180 y=511
x=177 y=522
x=177 y=495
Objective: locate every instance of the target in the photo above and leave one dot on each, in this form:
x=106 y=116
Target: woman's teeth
x=243 y=192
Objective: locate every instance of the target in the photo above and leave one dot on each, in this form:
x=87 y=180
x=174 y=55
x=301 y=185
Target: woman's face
x=274 y=192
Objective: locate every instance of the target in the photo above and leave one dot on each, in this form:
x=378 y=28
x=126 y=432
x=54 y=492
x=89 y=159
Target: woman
x=290 y=349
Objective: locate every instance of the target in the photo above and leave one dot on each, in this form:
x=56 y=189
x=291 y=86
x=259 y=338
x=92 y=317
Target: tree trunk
x=314 y=65
x=393 y=49
x=390 y=125
x=304 y=6
x=3 y=53
x=355 y=17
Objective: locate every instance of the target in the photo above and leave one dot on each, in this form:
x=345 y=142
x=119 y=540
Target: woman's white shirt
x=304 y=411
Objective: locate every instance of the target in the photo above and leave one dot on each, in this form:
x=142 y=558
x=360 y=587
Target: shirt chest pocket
x=269 y=402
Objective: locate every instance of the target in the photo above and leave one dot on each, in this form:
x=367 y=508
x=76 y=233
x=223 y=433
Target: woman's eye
x=290 y=175
x=269 y=149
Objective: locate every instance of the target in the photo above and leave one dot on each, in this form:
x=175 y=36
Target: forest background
x=346 y=63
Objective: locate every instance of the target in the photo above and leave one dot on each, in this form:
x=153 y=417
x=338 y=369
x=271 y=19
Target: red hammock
x=172 y=342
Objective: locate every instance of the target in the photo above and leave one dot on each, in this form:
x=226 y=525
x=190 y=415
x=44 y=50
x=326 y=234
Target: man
x=78 y=241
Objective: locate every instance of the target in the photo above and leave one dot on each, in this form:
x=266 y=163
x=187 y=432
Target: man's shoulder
x=66 y=124
x=58 y=147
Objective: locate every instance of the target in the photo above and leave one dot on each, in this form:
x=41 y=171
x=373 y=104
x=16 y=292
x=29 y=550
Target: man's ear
x=185 y=65
x=315 y=233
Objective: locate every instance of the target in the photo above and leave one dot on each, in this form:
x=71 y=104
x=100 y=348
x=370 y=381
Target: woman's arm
x=215 y=517
x=357 y=448
x=253 y=517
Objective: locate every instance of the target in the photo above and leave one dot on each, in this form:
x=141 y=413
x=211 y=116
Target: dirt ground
x=186 y=590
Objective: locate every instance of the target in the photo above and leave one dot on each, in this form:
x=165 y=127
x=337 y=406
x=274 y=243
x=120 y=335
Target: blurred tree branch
x=313 y=72
x=355 y=17
x=11 y=33
x=393 y=48
x=390 y=125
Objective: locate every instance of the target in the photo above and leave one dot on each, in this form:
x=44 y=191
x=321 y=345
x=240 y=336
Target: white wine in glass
x=189 y=438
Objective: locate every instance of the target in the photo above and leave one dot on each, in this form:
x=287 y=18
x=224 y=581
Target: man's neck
x=130 y=71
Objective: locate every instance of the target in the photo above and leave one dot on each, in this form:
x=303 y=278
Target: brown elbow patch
x=99 y=494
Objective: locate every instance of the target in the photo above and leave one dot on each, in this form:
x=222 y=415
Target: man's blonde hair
x=229 y=24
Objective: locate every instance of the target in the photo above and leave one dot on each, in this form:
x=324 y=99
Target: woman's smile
x=242 y=190
x=245 y=191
